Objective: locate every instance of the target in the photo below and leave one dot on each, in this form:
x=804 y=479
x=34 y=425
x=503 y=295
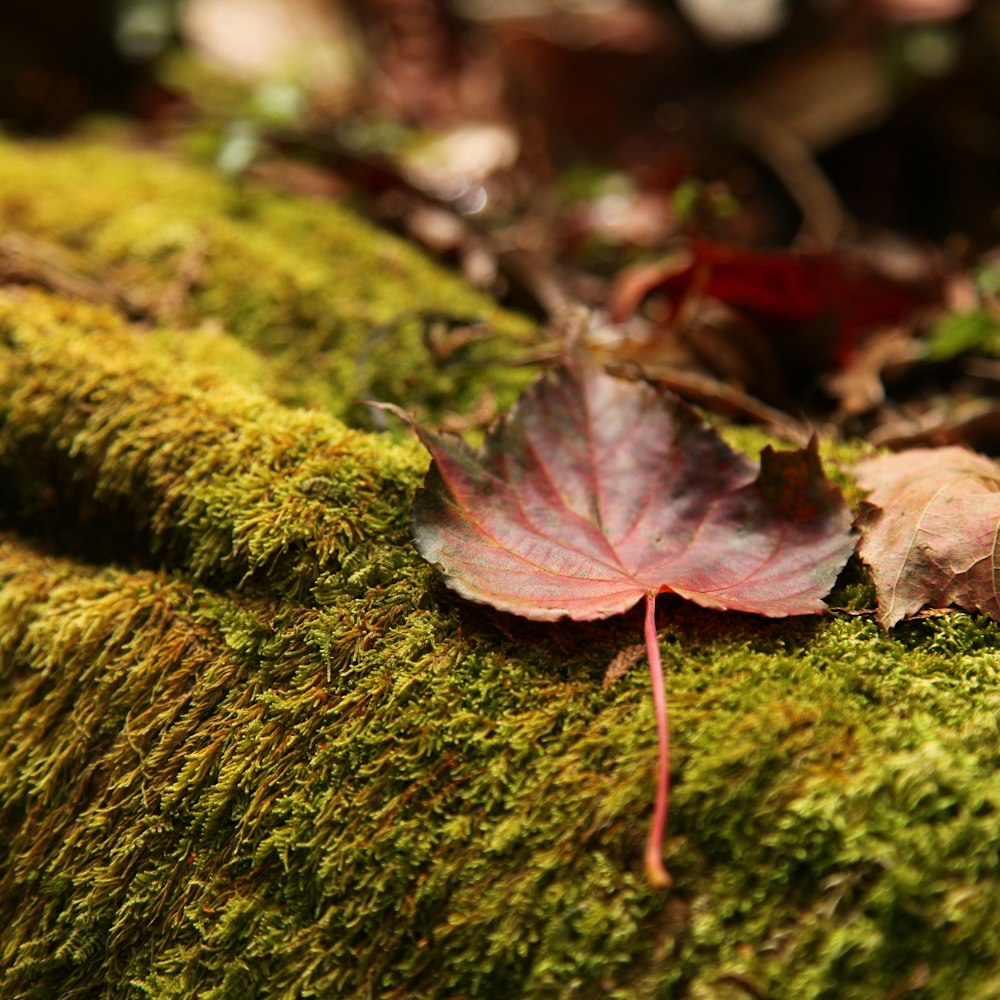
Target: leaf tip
x=392 y=408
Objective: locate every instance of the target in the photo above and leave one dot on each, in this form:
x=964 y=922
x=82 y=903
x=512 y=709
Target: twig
x=790 y=159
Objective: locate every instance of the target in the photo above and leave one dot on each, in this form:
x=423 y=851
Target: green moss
x=153 y=453
x=340 y=310
x=252 y=748
x=245 y=797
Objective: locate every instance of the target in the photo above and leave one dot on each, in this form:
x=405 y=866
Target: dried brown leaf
x=930 y=530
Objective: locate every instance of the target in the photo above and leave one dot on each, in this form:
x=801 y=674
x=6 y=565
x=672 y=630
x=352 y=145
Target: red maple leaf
x=784 y=288
x=597 y=492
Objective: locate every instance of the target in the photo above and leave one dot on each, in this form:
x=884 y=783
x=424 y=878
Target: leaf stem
x=655 y=871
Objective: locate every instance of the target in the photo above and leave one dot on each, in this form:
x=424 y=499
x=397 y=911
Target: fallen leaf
x=974 y=425
x=858 y=386
x=678 y=360
x=929 y=531
x=785 y=291
x=597 y=492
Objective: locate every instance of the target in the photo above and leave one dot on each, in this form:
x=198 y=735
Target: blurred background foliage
x=807 y=116
x=572 y=153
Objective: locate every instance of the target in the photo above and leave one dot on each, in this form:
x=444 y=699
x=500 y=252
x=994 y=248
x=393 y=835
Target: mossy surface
x=252 y=748
x=341 y=311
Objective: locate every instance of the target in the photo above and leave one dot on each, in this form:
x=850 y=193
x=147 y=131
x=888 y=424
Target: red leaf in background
x=782 y=287
x=597 y=492
x=930 y=531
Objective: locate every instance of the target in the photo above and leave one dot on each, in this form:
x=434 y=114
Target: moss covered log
x=251 y=748
x=340 y=311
